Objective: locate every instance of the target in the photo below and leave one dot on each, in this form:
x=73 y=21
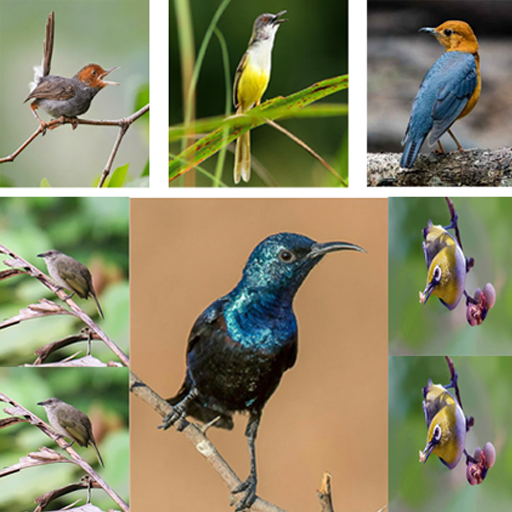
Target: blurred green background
x=484 y=384
x=92 y=230
x=431 y=329
x=102 y=393
x=311 y=46
x=113 y=33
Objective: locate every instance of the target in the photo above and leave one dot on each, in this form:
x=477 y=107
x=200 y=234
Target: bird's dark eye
x=437 y=433
x=93 y=72
x=448 y=32
x=286 y=256
x=437 y=274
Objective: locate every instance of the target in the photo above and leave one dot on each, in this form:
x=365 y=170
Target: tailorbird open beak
x=276 y=20
x=429 y=30
x=106 y=82
x=318 y=249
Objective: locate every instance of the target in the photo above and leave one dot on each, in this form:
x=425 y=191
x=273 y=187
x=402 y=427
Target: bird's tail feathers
x=97 y=304
x=100 y=460
x=243 y=158
x=411 y=150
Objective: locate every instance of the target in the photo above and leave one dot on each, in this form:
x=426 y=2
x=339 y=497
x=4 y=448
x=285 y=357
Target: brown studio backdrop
x=330 y=411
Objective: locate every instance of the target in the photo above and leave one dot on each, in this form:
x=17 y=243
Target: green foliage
x=102 y=393
x=273 y=109
x=484 y=385
x=118 y=176
x=431 y=328
x=93 y=231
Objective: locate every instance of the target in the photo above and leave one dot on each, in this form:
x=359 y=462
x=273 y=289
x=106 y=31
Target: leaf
x=45 y=183
x=274 y=108
x=118 y=176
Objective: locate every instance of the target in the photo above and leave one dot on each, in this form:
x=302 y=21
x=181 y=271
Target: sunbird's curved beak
x=318 y=249
x=275 y=21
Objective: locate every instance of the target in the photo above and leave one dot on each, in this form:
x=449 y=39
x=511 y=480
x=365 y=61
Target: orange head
x=455 y=36
x=93 y=74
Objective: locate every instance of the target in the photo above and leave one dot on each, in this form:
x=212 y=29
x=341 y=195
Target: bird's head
x=50 y=255
x=283 y=260
x=50 y=403
x=266 y=25
x=454 y=36
x=92 y=75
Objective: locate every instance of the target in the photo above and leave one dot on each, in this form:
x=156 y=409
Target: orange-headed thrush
x=448 y=92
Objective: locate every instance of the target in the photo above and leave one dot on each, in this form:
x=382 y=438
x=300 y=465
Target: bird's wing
x=210 y=321
x=57 y=88
x=458 y=82
x=77 y=430
x=436 y=397
x=78 y=282
x=436 y=239
x=238 y=74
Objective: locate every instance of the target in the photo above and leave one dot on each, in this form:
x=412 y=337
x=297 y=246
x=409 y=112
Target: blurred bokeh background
x=94 y=231
x=102 y=394
x=431 y=329
x=113 y=33
x=399 y=57
x=310 y=47
x=329 y=413
x=484 y=384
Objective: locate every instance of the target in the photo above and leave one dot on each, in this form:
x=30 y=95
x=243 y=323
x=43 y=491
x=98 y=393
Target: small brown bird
x=59 y=96
x=71 y=275
x=70 y=422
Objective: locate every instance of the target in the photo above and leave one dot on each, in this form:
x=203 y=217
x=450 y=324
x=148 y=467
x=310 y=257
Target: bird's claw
x=176 y=417
x=249 y=497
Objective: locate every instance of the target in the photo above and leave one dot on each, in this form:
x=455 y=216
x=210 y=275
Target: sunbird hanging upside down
x=251 y=80
x=449 y=91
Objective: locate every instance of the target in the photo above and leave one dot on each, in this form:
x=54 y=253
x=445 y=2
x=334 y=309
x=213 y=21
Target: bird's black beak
x=426 y=293
x=40 y=403
x=428 y=30
x=318 y=250
x=276 y=16
x=42 y=255
x=425 y=454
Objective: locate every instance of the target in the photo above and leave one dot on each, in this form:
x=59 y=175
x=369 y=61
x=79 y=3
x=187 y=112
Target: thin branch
x=324 y=494
x=47 y=307
x=311 y=151
x=47 y=456
x=123 y=125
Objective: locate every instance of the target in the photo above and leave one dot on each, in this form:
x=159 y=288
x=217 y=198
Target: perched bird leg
x=42 y=123
x=179 y=412
x=459 y=147
x=249 y=486
x=440 y=150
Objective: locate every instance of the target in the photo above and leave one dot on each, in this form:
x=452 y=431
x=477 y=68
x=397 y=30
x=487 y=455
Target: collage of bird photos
x=260 y=320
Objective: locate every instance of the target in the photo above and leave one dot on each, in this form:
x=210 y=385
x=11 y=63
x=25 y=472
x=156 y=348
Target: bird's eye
x=286 y=256
x=437 y=274
x=437 y=433
x=93 y=72
x=448 y=32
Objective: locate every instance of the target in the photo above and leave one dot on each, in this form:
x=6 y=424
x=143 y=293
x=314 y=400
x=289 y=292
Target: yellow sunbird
x=251 y=80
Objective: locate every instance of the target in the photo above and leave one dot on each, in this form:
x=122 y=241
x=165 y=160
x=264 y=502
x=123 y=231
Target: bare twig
x=203 y=445
x=47 y=456
x=86 y=483
x=123 y=125
x=46 y=307
x=324 y=494
x=310 y=150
